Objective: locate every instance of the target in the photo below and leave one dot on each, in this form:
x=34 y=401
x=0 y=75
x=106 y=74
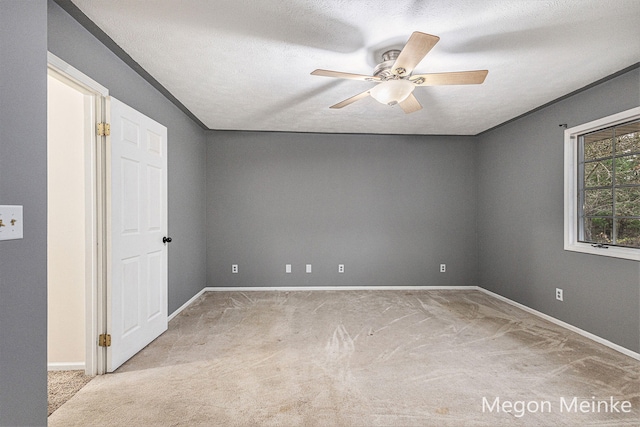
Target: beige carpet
x=63 y=385
x=362 y=358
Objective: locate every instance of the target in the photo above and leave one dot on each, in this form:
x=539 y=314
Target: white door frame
x=95 y=214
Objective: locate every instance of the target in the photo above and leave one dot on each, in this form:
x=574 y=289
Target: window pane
x=628 y=138
x=598 y=144
x=598 y=174
x=628 y=201
x=598 y=230
x=598 y=203
x=628 y=232
x=628 y=170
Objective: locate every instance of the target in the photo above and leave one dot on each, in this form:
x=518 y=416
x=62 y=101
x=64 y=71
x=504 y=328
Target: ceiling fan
x=395 y=83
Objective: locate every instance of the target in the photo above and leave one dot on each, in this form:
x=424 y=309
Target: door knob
x=166 y=240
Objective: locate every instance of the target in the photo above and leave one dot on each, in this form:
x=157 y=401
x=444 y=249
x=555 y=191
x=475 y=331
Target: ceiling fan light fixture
x=395 y=77
x=392 y=92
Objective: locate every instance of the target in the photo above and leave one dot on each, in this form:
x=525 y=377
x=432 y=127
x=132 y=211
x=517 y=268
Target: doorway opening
x=66 y=226
x=74 y=252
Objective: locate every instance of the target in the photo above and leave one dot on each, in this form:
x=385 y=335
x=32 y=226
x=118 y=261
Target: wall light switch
x=11 y=220
x=308 y=268
x=287 y=268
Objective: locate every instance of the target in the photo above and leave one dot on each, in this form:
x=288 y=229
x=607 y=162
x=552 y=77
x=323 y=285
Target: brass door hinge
x=104 y=129
x=104 y=340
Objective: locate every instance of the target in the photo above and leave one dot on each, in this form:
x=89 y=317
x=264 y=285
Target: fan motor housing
x=383 y=69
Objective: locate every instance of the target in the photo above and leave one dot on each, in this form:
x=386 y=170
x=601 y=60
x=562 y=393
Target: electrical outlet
x=287 y=268
x=443 y=268
x=308 y=268
x=559 y=294
x=234 y=268
x=340 y=268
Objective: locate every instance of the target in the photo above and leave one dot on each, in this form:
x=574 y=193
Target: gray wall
x=23 y=181
x=520 y=220
x=391 y=208
x=186 y=151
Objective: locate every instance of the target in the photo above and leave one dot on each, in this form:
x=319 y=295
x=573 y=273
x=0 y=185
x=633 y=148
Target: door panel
x=137 y=285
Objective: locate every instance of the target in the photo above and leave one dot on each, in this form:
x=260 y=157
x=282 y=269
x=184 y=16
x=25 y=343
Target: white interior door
x=137 y=206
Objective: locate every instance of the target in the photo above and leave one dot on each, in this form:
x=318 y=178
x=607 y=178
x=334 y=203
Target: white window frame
x=571 y=242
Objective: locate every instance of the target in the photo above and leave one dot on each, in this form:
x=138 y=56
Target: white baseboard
x=551 y=319
x=565 y=325
x=340 y=288
x=186 y=304
x=71 y=366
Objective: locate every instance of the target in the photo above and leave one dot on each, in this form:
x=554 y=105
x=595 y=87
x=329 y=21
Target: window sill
x=610 y=251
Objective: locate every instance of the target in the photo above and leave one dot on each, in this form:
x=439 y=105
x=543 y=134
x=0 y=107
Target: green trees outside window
x=609 y=179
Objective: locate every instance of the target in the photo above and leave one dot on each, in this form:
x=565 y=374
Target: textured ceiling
x=245 y=64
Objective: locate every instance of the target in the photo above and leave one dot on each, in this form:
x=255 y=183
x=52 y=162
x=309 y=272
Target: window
x=602 y=186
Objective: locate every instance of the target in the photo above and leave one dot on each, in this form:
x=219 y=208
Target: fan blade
x=455 y=78
x=410 y=104
x=341 y=75
x=351 y=100
x=417 y=47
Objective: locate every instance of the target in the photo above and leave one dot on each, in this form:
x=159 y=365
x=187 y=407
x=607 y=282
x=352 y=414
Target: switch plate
x=443 y=268
x=340 y=268
x=11 y=220
x=308 y=268
x=234 y=268
x=287 y=268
